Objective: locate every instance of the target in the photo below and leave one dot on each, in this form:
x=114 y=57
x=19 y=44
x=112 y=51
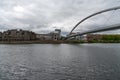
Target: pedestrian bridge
x=106 y=28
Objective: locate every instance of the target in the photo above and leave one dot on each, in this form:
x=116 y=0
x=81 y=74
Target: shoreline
x=49 y=42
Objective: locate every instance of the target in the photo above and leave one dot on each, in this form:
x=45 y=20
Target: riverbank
x=43 y=42
x=54 y=42
x=30 y=42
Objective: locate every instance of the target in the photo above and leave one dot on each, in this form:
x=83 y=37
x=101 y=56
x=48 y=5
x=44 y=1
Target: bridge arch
x=106 y=10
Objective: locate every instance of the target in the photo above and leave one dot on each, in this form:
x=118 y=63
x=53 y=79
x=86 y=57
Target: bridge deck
x=108 y=28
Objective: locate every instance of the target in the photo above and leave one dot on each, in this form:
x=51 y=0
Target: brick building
x=91 y=37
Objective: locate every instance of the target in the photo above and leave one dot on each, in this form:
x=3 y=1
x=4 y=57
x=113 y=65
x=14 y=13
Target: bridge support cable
x=106 y=10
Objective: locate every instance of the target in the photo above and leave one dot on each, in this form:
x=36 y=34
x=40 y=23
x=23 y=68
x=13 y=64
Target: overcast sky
x=43 y=16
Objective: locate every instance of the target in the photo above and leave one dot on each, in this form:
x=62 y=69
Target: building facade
x=91 y=37
x=0 y=36
x=43 y=36
x=55 y=35
x=17 y=35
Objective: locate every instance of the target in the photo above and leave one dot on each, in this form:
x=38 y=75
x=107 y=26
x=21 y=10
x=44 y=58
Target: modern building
x=55 y=35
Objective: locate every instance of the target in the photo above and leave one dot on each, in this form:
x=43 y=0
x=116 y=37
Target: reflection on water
x=60 y=62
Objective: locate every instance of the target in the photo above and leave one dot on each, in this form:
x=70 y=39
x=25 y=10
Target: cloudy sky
x=43 y=16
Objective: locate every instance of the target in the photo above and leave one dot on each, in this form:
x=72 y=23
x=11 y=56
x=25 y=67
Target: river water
x=60 y=62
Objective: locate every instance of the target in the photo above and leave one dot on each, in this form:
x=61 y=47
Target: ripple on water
x=61 y=62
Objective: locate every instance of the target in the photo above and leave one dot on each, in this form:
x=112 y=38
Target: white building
x=55 y=35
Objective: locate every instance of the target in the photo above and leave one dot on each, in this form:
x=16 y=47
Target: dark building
x=18 y=35
x=0 y=36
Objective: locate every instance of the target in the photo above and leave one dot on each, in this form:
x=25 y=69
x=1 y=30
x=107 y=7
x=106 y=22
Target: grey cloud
x=41 y=15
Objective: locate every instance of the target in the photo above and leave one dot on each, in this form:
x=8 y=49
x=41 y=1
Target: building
x=91 y=37
x=43 y=36
x=24 y=35
x=55 y=35
x=18 y=35
x=0 y=36
x=81 y=38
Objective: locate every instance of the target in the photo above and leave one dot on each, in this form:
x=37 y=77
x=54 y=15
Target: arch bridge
x=106 y=28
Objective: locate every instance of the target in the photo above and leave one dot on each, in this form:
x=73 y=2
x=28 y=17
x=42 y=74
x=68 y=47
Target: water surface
x=60 y=62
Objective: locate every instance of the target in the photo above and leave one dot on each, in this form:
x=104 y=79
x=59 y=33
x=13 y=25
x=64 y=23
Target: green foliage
x=111 y=37
x=106 y=39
